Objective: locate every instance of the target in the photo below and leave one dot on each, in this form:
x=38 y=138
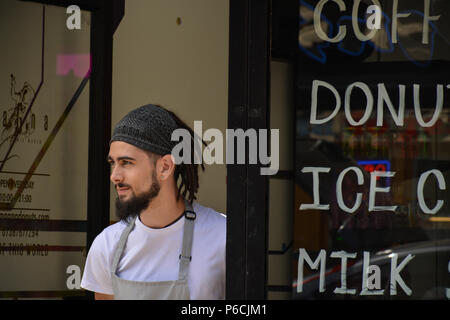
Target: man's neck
x=162 y=211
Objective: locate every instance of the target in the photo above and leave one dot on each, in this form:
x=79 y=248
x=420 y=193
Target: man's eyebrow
x=121 y=158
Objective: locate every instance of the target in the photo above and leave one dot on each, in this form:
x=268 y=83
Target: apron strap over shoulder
x=121 y=244
x=188 y=235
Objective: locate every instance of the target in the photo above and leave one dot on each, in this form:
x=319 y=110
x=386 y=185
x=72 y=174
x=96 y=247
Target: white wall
x=183 y=67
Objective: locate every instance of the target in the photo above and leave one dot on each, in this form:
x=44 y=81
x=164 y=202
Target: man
x=166 y=246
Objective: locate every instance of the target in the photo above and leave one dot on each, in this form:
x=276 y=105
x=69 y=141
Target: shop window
x=372 y=150
x=44 y=102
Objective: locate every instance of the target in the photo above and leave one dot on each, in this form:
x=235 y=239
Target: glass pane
x=372 y=216
x=334 y=37
x=44 y=100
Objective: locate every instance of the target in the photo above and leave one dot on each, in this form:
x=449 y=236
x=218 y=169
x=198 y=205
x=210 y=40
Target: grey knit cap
x=149 y=128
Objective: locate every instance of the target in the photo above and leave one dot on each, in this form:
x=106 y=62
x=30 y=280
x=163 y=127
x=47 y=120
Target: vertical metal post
x=247 y=189
x=100 y=92
x=104 y=21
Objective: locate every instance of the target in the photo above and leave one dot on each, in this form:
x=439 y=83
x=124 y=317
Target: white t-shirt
x=153 y=255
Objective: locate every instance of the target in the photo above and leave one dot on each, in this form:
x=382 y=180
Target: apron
x=159 y=290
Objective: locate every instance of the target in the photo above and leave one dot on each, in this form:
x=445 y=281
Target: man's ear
x=165 y=167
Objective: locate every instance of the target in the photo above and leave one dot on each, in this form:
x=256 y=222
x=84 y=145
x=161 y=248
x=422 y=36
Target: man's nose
x=116 y=175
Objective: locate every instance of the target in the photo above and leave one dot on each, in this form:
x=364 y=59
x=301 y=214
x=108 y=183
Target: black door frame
x=248 y=107
x=247 y=189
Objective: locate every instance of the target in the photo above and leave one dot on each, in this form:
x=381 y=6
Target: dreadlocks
x=188 y=172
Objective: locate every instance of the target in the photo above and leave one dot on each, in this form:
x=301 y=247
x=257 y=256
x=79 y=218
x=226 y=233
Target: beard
x=128 y=209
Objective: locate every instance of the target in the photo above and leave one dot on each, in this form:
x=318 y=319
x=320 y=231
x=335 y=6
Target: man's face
x=134 y=178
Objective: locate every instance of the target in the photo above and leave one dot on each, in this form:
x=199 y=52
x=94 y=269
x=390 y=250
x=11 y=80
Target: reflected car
x=427 y=274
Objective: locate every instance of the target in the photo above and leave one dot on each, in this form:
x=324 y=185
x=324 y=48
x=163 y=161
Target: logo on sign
x=375 y=165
